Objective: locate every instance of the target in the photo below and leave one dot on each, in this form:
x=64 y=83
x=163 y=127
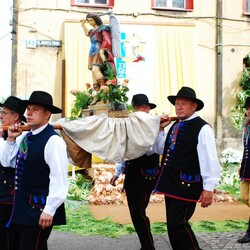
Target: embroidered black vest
x=6 y=181
x=245 y=164
x=180 y=174
x=7 y=175
x=142 y=172
x=6 y=184
x=32 y=183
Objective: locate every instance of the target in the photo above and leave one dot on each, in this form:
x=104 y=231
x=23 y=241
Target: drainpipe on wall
x=14 y=48
x=219 y=71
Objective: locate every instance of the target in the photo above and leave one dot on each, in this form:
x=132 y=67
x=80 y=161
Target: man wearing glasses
x=11 y=112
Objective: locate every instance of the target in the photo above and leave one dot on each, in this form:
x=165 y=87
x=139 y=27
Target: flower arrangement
x=105 y=91
x=230 y=160
x=103 y=193
x=116 y=93
x=230 y=156
x=82 y=100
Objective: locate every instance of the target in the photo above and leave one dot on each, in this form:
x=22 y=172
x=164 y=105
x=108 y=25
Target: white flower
x=231 y=156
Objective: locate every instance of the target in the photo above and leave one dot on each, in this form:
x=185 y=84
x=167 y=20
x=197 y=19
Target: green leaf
x=238 y=111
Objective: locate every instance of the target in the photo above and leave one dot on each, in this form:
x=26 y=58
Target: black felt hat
x=186 y=92
x=44 y=99
x=13 y=103
x=140 y=99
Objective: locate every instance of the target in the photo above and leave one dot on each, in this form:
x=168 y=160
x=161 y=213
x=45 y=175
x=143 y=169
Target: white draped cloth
x=114 y=139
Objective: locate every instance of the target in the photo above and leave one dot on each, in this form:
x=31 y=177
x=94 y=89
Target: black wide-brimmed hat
x=140 y=99
x=13 y=103
x=44 y=99
x=186 y=92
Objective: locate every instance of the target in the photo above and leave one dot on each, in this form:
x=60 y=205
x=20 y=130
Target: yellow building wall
x=41 y=67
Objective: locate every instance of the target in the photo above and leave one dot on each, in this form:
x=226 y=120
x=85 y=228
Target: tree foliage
x=238 y=111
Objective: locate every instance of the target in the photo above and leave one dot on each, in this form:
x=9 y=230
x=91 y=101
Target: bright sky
x=5 y=48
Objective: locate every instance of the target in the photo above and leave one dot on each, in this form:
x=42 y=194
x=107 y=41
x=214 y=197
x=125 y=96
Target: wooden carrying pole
x=58 y=126
x=27 y=128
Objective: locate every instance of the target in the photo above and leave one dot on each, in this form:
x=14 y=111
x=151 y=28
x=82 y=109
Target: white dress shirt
x=55 y=156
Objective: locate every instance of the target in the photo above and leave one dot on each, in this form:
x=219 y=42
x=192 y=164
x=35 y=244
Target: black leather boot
x=246 y=237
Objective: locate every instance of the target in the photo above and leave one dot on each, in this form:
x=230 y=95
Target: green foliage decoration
x=238 y=111
x=81 y=221
x=82 y=101
x=109 y=73
x=79 y=188
x=117 y=93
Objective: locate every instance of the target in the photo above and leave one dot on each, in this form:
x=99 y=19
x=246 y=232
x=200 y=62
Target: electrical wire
x=5 y=35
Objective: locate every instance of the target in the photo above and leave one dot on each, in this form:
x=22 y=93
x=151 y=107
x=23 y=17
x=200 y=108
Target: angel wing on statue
x=116 y=35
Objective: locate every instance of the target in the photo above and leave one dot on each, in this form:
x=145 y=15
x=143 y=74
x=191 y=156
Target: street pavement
x=207 y=241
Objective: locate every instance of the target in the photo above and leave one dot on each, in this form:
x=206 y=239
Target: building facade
x=165 y=45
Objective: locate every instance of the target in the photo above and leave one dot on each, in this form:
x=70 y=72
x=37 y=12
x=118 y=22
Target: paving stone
x=207 y=241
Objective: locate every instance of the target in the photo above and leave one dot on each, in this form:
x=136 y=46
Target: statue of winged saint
x=105 y=46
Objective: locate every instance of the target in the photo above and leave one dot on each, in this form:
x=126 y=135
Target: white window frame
x=92 y=3
x=246 y=7
x=188 y=5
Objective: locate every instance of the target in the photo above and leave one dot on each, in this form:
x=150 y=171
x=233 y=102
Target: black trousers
x=180 y=233
x=5 y=212
x=28 y=237
x=137 y=202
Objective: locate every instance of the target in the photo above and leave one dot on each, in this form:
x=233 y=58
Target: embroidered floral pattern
x=173 y=136
x=23 y=149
